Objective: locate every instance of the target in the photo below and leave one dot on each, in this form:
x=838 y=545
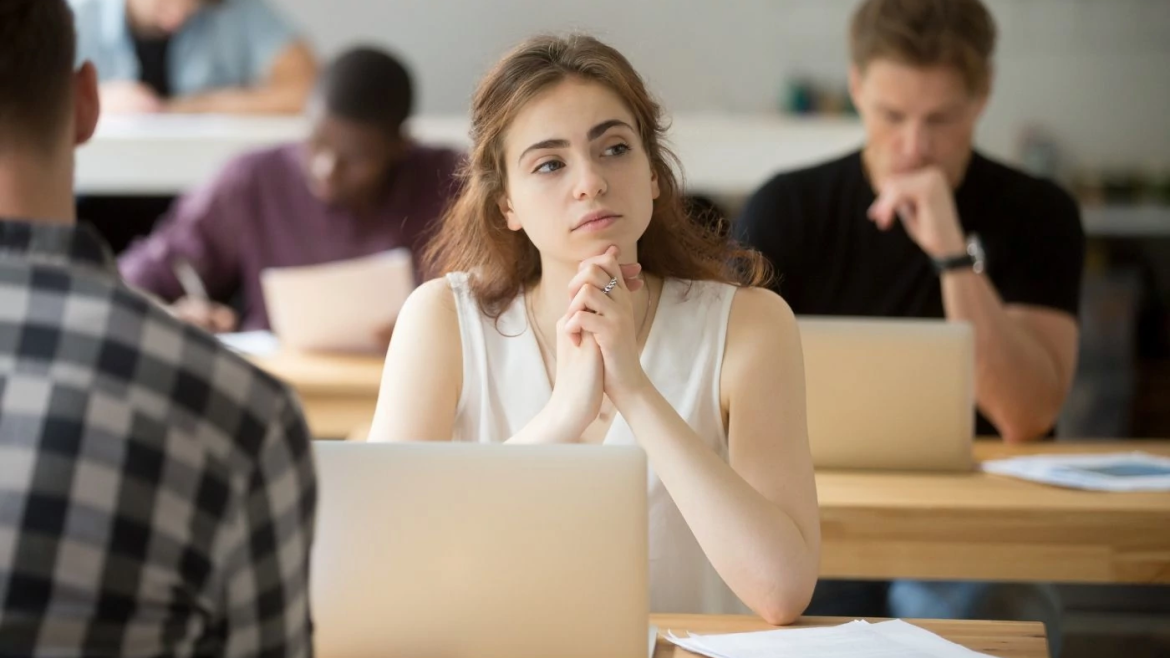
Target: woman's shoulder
x=435 y=300
x=760 y=319
x=763 y=341
x=429 y=323
x=763 y=304
x=761 y=325
x=450 y=298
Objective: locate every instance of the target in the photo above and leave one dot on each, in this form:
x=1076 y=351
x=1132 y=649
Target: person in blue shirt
x=196 y=56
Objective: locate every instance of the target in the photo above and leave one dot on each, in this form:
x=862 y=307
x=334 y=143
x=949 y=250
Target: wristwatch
x=971 y=259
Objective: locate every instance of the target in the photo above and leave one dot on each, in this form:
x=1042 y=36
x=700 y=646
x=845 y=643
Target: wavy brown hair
x=473 y=235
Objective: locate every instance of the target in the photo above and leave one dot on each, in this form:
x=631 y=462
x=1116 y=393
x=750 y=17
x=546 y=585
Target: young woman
x=581 y=304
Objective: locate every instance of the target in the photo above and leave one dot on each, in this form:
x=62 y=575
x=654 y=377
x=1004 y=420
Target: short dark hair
x=956 y=33
x=37 y=49
x=368 y=85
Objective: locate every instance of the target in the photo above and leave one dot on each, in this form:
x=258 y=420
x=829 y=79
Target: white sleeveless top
x=505 y=385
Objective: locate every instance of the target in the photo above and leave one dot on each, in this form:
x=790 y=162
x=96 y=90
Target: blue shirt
x=232 y=44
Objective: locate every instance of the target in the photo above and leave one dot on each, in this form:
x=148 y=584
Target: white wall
x=1095 y=73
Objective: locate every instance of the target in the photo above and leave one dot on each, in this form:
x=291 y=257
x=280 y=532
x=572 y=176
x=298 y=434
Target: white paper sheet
x=1119 y=471
x=857 y=639
x=252 y=343
x=338 y=307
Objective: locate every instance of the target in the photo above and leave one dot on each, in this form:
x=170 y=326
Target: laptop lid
x=889 y=394
x=457 y=550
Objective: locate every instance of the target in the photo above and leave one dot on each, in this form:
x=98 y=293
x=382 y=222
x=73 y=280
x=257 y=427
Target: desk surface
x=895 y=525
x=1000 y=639
x=988 y=527
x=325 y=374
x=169 y=154
x=338 y=393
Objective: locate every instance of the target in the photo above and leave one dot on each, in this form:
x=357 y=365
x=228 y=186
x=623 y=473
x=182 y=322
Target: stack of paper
x=1124 y=471
x=346 y=306
x=858 y=639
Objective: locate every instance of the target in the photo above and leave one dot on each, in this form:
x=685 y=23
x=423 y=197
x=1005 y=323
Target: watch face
x=975 y=251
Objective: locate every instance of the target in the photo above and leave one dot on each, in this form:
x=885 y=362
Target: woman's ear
x=655 y=192
x=505 y=207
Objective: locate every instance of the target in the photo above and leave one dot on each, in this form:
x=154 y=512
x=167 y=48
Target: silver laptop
x=467 y=550
x=889 y=394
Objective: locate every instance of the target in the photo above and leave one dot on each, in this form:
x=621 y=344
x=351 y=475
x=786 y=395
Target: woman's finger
x=592 y=300
x=590 y=274
x=584 y=321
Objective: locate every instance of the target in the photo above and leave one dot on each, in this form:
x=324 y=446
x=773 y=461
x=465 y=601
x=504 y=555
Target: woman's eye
x=548 y=167
x=618 y=149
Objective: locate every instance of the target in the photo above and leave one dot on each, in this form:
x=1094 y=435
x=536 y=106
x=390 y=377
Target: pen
x=189 y=279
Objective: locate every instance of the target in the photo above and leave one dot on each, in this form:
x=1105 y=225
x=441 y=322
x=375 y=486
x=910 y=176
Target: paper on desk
x=1118 y=471
x=252 y=343
x=338 y=307
x=857 y=639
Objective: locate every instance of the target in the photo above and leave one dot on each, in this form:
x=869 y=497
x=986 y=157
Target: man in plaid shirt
x=157 y=493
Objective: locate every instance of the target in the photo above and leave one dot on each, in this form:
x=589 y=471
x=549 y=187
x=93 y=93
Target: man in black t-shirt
x=885 y=231
x=918 y=224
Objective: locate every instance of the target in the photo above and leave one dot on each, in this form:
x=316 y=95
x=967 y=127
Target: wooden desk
x=338 y=393
x=970 y=526
x=1000 y=639
x=985 y=527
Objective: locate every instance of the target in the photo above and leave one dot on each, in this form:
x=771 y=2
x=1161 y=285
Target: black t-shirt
x=831 y=260
x=153 y=55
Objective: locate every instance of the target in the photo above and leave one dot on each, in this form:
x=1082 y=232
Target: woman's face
x=578 y=177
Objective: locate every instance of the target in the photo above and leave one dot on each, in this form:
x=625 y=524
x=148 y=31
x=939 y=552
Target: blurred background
x=1081 y=95
x=1088 y=74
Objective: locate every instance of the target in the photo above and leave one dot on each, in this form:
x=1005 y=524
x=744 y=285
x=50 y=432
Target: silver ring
x=610 y=286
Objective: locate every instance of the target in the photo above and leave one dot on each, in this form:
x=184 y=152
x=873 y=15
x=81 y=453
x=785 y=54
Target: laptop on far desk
x=889 y=394
x=455 y=550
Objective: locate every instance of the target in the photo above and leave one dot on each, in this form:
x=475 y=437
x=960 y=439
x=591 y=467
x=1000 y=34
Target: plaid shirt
x=157 y=492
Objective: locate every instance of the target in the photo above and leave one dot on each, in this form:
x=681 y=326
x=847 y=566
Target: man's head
x=358 y=109
x=920 y=78
x=163 y=17
x=46 y=106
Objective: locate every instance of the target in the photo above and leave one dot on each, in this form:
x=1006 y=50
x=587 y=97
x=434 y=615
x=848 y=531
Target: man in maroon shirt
x=357 y=186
